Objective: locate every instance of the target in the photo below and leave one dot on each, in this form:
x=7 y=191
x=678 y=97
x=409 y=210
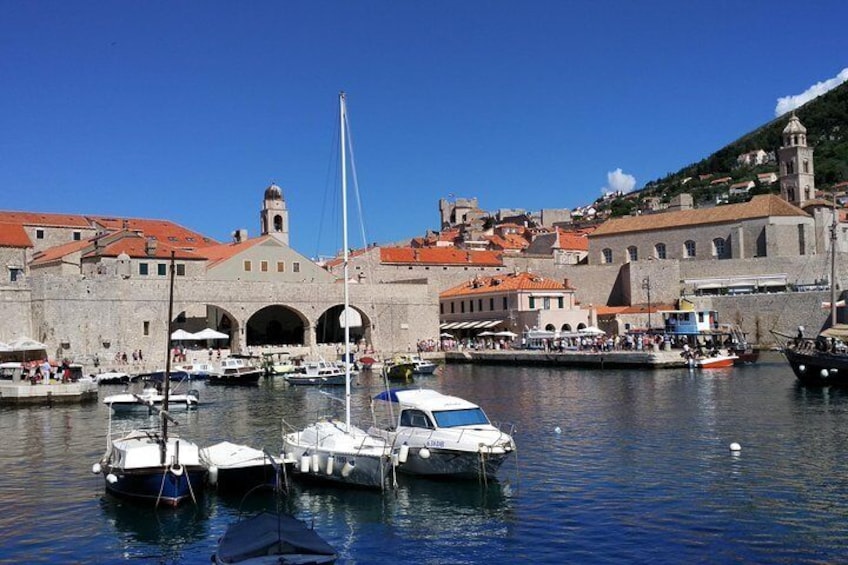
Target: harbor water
x=620 y=466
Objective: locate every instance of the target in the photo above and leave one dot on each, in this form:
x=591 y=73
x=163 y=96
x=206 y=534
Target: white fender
x=213 y=475
x=403 y=454
x=330 y=461
x=304 y=463
x=96 y=468
x=348 y=468
x=424 y=453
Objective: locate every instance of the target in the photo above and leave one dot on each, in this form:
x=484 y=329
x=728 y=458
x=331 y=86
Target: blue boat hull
x=157 y=484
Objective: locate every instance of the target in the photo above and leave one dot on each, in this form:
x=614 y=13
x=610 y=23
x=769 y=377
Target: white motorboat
x=153 y=465
x=318 y=372
x=421 y=366
x=198 y=371
x=112 y=378
x=443 y=436
x=235 y=371
x=149 y=400
x=330 y=449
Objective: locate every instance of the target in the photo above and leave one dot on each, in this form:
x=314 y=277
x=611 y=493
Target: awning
x=449 y=326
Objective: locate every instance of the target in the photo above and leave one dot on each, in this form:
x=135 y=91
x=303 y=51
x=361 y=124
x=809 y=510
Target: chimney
x=566 y=283
x=150 y=246
x=239 y=235
x=468 y=256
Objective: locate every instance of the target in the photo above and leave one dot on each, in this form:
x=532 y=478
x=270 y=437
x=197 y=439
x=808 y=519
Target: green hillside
x=826 y=120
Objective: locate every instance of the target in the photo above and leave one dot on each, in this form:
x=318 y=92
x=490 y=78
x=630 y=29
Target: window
x=146 y=326
x=296 y=267
x=532 y=303
x=471 y=305
x=263 y=266
x=480 y=305
x=606 y=256
x=491 y=304
x=689 y=249
x=161 y=269
x=462 y=307
x=633 y=253
x=39 y=234
x=505 y=303
x=247 y=266
x=806 y=166
x=546 y=303
x=659 y=251
x=281 y=267
x=180 y=269
x=15 y=273
x=802 y=240
x=77 y=236
x=560 y=302
x=441 y=307
x=415 y=419
x=467 y=417
x=719 y=248
x=142 y=269
x=453 y=307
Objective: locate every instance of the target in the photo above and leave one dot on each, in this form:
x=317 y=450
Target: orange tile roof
x=136 y=247
x=163 y=230
x=439 y=256
x=502 y=283
x=573 y=241
x=45 y=220
x=53 y=254
x=760 y=206
x=221 y=252
x=14 y=235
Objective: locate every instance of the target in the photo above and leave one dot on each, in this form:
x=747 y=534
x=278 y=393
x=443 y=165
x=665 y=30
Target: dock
x=661 y=359
x=23 y=393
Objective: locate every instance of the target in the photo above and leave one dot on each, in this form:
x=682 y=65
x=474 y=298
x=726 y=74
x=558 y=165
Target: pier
x=597 y=360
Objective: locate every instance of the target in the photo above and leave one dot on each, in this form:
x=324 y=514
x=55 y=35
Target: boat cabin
x=688 y=322
x=429 y=409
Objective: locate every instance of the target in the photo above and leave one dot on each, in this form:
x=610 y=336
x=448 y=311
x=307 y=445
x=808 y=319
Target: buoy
x=558 y=430
x=424 y=453
x=403 y=453
x=735 y=447
x=330 y=461
x=348 y=468
x=802 y=368
x=824 y=373
x=96 y=468
x=316 y=463
x=304 y=463
x=213 y=475
x=111 y=479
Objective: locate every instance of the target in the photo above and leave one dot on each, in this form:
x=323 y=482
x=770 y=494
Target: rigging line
x=330 y=173
x=355 y=180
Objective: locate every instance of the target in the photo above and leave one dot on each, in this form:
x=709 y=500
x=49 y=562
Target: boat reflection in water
x=149 y=534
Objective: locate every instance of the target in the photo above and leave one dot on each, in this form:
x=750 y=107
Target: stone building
x=93 y=286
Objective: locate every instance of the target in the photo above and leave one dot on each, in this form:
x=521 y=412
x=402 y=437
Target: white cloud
x=618 y=181
x=788 y=103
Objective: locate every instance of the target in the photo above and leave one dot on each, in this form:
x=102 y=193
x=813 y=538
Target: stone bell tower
x=274 y=216
x=797 y=178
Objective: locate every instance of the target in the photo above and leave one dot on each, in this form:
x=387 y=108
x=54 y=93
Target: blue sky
x=188 y=110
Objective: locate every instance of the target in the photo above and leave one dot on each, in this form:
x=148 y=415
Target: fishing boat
x=235 y=371
x=399 y=369
x=717 y=361
x=330 y=449
x=153 y=465
x=446 y=436
x=150 y=400
x=420 y=366
x=233 y=467
x=318 y=372
x=821 y=359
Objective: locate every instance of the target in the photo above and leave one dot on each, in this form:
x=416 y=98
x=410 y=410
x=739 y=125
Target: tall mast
x=833 y=265
x=342 y=125
x=167 y=377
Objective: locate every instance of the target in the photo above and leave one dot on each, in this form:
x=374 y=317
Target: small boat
x=112 y=378
x=278 y=364
x=198 y=371
x=153 y=465
x=150 y=399
x=235 y=371
x=399 y=369
x=175 y=375
x=717 y=361
x=273 y=538
x=234 y=467
x=443 y=436
x=319 y=372
x=421 y=366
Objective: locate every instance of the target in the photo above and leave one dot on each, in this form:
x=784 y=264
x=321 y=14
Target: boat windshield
x=466 y=417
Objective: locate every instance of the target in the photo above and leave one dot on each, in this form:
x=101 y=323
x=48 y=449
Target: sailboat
x=153 y=465
x=329 y=449
x=822 y=359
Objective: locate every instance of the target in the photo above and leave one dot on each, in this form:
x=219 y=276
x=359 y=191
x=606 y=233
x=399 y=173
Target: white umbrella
x=446 y=335
x=485 y=334
x=505 y=333
x=592 y=330
x=182 y=335
x=26 y=344
x=209 y=333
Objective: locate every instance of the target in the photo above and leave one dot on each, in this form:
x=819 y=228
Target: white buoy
x=824 y=373
x=213 y=475
x=111 y=479
x=330 y=461
x=735 y=447
x=348 y=467
x=304 y=463
x=316 y=463
x=403 y=454
x=424 y=453
x=96 y=468
x=802 y=368
x=558 y=430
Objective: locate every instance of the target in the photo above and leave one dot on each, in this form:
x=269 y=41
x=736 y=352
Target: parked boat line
x=663 y=359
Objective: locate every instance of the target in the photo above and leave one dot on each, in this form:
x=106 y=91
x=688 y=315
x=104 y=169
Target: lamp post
x=646 y=285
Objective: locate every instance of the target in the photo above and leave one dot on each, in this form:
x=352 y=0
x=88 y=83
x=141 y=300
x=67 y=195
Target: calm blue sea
x=612 y=467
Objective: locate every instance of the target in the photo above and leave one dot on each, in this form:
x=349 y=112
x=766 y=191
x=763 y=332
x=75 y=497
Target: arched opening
x=550 y=328
x=566 y=327
x=330 y=330
x=278 y=223
x=275 y=325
